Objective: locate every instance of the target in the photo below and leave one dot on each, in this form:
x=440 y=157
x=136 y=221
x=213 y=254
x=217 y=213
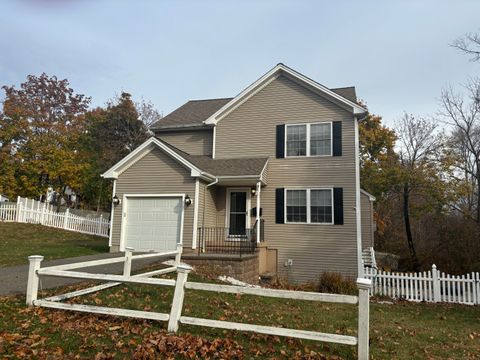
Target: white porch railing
x=428 y=286
x=175 y=316
x=35 y=212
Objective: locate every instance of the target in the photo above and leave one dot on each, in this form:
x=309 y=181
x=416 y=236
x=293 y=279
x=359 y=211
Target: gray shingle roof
x=223 y=167
x=194 y=112
x=190 y=114
x=229 y=167
x=347 y=92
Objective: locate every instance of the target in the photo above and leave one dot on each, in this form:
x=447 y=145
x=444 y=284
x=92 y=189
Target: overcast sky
x=396 y=53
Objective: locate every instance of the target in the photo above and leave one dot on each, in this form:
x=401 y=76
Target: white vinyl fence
x=428 y=286
x=175 y=317
x=8 y=211
x=35 y=212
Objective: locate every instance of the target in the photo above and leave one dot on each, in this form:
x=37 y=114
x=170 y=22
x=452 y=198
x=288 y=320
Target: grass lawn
x=18 y=241
x=398 y=331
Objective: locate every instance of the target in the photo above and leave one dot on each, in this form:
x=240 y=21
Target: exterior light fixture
x=188 y=201
x=254 y=191
x=115 y=200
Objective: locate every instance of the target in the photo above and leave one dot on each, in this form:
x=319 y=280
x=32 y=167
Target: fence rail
x=35 y=212
x=428 y=286
x=175 y=317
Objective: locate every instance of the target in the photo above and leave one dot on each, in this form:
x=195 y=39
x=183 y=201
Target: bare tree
x=463 y=114
x=418 y=143
x=147 y=112
x=470 y=45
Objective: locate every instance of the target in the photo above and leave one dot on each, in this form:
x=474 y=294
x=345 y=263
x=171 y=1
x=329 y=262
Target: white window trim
x=227 y=209
x=308 y=139
x=309 y=210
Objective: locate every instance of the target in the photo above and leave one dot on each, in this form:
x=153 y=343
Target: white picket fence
x=428 y=286
x=35 y=212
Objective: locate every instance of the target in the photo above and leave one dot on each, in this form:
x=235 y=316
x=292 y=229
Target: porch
x=229 y=221
x=230 y=241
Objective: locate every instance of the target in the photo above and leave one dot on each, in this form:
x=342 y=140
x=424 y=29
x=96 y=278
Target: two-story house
x=273 y=171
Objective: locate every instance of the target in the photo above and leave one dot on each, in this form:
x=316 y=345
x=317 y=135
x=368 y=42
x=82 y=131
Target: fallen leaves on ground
x=55 y=334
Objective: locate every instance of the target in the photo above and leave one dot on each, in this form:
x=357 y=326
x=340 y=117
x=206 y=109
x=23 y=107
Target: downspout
x=195 y=213
x=204 y=194
x=203 y=210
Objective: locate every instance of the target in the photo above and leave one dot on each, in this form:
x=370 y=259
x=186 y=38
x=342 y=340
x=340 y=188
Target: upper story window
x=309 y=139
x=296 y=140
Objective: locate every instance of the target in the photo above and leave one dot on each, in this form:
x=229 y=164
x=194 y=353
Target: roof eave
x=182 y=127
x=370 y=196
x=113 y=172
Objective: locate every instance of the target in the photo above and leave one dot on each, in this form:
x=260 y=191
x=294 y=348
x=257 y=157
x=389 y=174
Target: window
x=309 y=139
x=296 y=140
x=311 y=206
x=321 y=206
x=297 y=206
x=320 y=139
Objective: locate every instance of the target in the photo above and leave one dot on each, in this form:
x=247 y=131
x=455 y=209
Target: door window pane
x=296 y=205
x=237 y=224
x=320 y=139
x=238 y=201
x=296 y=140
x=238 y=213
x=321 y=206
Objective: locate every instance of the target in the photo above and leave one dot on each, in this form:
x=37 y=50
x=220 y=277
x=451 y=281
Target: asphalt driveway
x=13 y=279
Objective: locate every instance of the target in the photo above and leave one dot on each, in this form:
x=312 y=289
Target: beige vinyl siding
x=250 y=130
x=213 y=214
x=367 y=221
x=155 y=173
x=207 y=211
x=194 y=142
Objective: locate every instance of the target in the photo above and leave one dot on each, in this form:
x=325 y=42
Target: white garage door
x=153 y=223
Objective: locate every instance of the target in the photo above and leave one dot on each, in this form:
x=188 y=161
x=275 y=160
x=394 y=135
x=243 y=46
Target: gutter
x=186 y=127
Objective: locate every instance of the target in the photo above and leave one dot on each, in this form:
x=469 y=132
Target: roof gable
x=199 y=165
x=143 y=149
x=340 y=96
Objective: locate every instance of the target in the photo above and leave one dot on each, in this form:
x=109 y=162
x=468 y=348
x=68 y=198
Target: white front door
x=238 y=220
x=153 y=223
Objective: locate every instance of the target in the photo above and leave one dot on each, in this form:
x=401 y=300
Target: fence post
x=42 y=218
x=179 y=254
x=17 y=214
x=178 y=295
x=436 y=284
x=32 y=284
x=100 y=222
x=127 y=265
x=364 y=286
x=476 y=285
x=65 y=219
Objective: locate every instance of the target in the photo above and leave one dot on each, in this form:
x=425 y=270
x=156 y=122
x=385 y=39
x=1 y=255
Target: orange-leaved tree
x=41 y=124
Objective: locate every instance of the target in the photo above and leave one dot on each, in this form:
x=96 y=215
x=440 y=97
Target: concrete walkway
x=13 y=280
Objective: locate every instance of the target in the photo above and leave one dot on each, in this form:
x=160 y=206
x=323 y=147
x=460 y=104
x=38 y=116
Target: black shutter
x=338 y=206
x=337 y=138
x=280 y=141
x=279 y=206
